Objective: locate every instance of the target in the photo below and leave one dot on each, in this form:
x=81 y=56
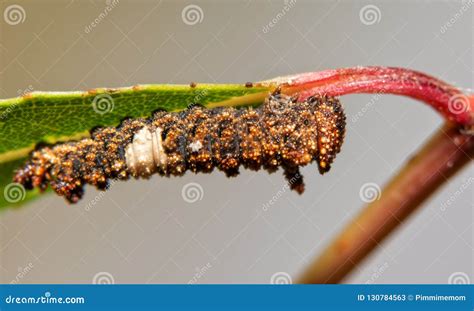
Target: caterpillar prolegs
x=280 y=133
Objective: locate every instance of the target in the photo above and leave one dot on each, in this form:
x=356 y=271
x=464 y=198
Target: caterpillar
x=280 y=133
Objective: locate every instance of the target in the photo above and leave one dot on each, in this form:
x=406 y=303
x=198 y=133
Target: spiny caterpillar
x=281 y=132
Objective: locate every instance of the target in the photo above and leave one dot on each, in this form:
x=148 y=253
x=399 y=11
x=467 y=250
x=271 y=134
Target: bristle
x=280 y=133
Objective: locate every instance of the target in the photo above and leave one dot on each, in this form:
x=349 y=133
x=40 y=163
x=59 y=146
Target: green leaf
x=59 y=116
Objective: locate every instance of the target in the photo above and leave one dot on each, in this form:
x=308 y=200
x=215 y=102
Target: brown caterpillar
x=281 y=132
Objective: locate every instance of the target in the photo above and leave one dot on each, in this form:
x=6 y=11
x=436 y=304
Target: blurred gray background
x=145 y=232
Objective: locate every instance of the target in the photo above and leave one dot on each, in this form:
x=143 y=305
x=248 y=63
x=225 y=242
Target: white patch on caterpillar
x=145 y=154
x=195 y=146
x=159 y=155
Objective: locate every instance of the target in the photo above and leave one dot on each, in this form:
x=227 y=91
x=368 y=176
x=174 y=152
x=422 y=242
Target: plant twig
x=442 y=156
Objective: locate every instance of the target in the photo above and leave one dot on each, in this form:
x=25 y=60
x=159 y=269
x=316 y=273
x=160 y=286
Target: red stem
x=447 y=99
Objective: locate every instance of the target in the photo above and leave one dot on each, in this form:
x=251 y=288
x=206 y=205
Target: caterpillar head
x=325 y=128
x=331 y=124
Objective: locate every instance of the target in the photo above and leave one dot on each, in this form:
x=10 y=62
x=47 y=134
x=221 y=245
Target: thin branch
x=444 y=155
